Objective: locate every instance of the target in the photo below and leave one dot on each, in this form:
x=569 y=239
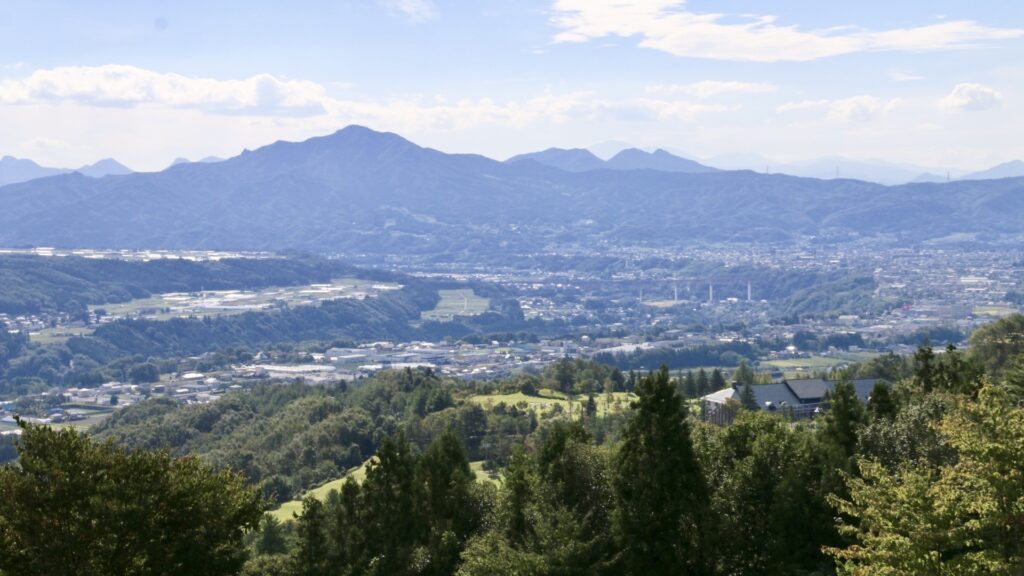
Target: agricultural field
x=548 y=399
x=994 y=311
x=461 y=302
x=58 y=335
x=818 y=362
x=228 y=302
x=662 y=303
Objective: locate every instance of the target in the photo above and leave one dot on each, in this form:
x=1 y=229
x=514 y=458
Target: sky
x=935 y=83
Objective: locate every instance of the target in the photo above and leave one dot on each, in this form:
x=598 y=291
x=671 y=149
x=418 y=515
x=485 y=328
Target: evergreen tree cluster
x=926 y=477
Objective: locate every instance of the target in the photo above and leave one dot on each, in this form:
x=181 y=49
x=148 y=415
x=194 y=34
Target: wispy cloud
x=667 y=26
x=415 y=10
x=853 y=109
x=128 y=86
x=968 y=97
x=266 y=96
x=706 y=89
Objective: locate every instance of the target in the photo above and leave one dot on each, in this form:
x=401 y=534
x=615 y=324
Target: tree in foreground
x=74 y=506
x=661 y=496
x=768 y=517
x=551 y=514
x=963 y=518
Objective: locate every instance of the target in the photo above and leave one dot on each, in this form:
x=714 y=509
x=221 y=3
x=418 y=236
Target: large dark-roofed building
x=797 y=399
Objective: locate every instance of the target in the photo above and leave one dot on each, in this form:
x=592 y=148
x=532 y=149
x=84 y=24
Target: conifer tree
x=747 y=397
x=660 y=491
x=717 y=380
x=389 y=502
x=924 y=367
x=845 y=415
x=703 y=384
x=311 y=532
x=444 y=475
x=691 y=385
x=880 y=402
x=744 y=374
x=271 y=539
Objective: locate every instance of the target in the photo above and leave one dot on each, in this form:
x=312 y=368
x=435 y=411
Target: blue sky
x=934 y=83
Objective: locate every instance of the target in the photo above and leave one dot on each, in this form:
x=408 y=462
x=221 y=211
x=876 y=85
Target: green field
x=819 y=362
x=58 y=335
x=549 y=398
x=996 y=311
x=483 y=475
x=288 y=510
x=461 y=302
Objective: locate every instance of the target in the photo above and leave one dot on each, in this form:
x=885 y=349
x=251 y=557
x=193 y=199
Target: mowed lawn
x=461 y=302
x=546 y=399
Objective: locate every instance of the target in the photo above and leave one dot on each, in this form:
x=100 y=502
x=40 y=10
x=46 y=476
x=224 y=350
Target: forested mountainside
x=377 y=193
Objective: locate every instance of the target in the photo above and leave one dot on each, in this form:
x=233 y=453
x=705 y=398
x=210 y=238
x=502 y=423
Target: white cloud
x=853 y=109
x=128 y=86
x=706 y=89
x=415 y=10
x=264 y=96
x=665 y=25
x=972 y=98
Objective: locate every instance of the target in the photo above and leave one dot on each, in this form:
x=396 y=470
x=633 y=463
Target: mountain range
x=872 y=170
x=14 y=170
x=582 y=160
x=358 y=191
x=1011 y=169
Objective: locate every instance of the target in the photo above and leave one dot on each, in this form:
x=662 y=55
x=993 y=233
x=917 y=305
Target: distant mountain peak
x=1011 y=169
x=358 y=191
x=14 y=170
x=637 y=159
x=568 y=159
x=104 y=167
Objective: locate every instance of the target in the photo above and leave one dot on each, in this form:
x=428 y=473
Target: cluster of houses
x=460 y=360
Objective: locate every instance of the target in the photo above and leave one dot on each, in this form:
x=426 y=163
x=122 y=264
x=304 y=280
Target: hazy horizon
x=932 y=85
